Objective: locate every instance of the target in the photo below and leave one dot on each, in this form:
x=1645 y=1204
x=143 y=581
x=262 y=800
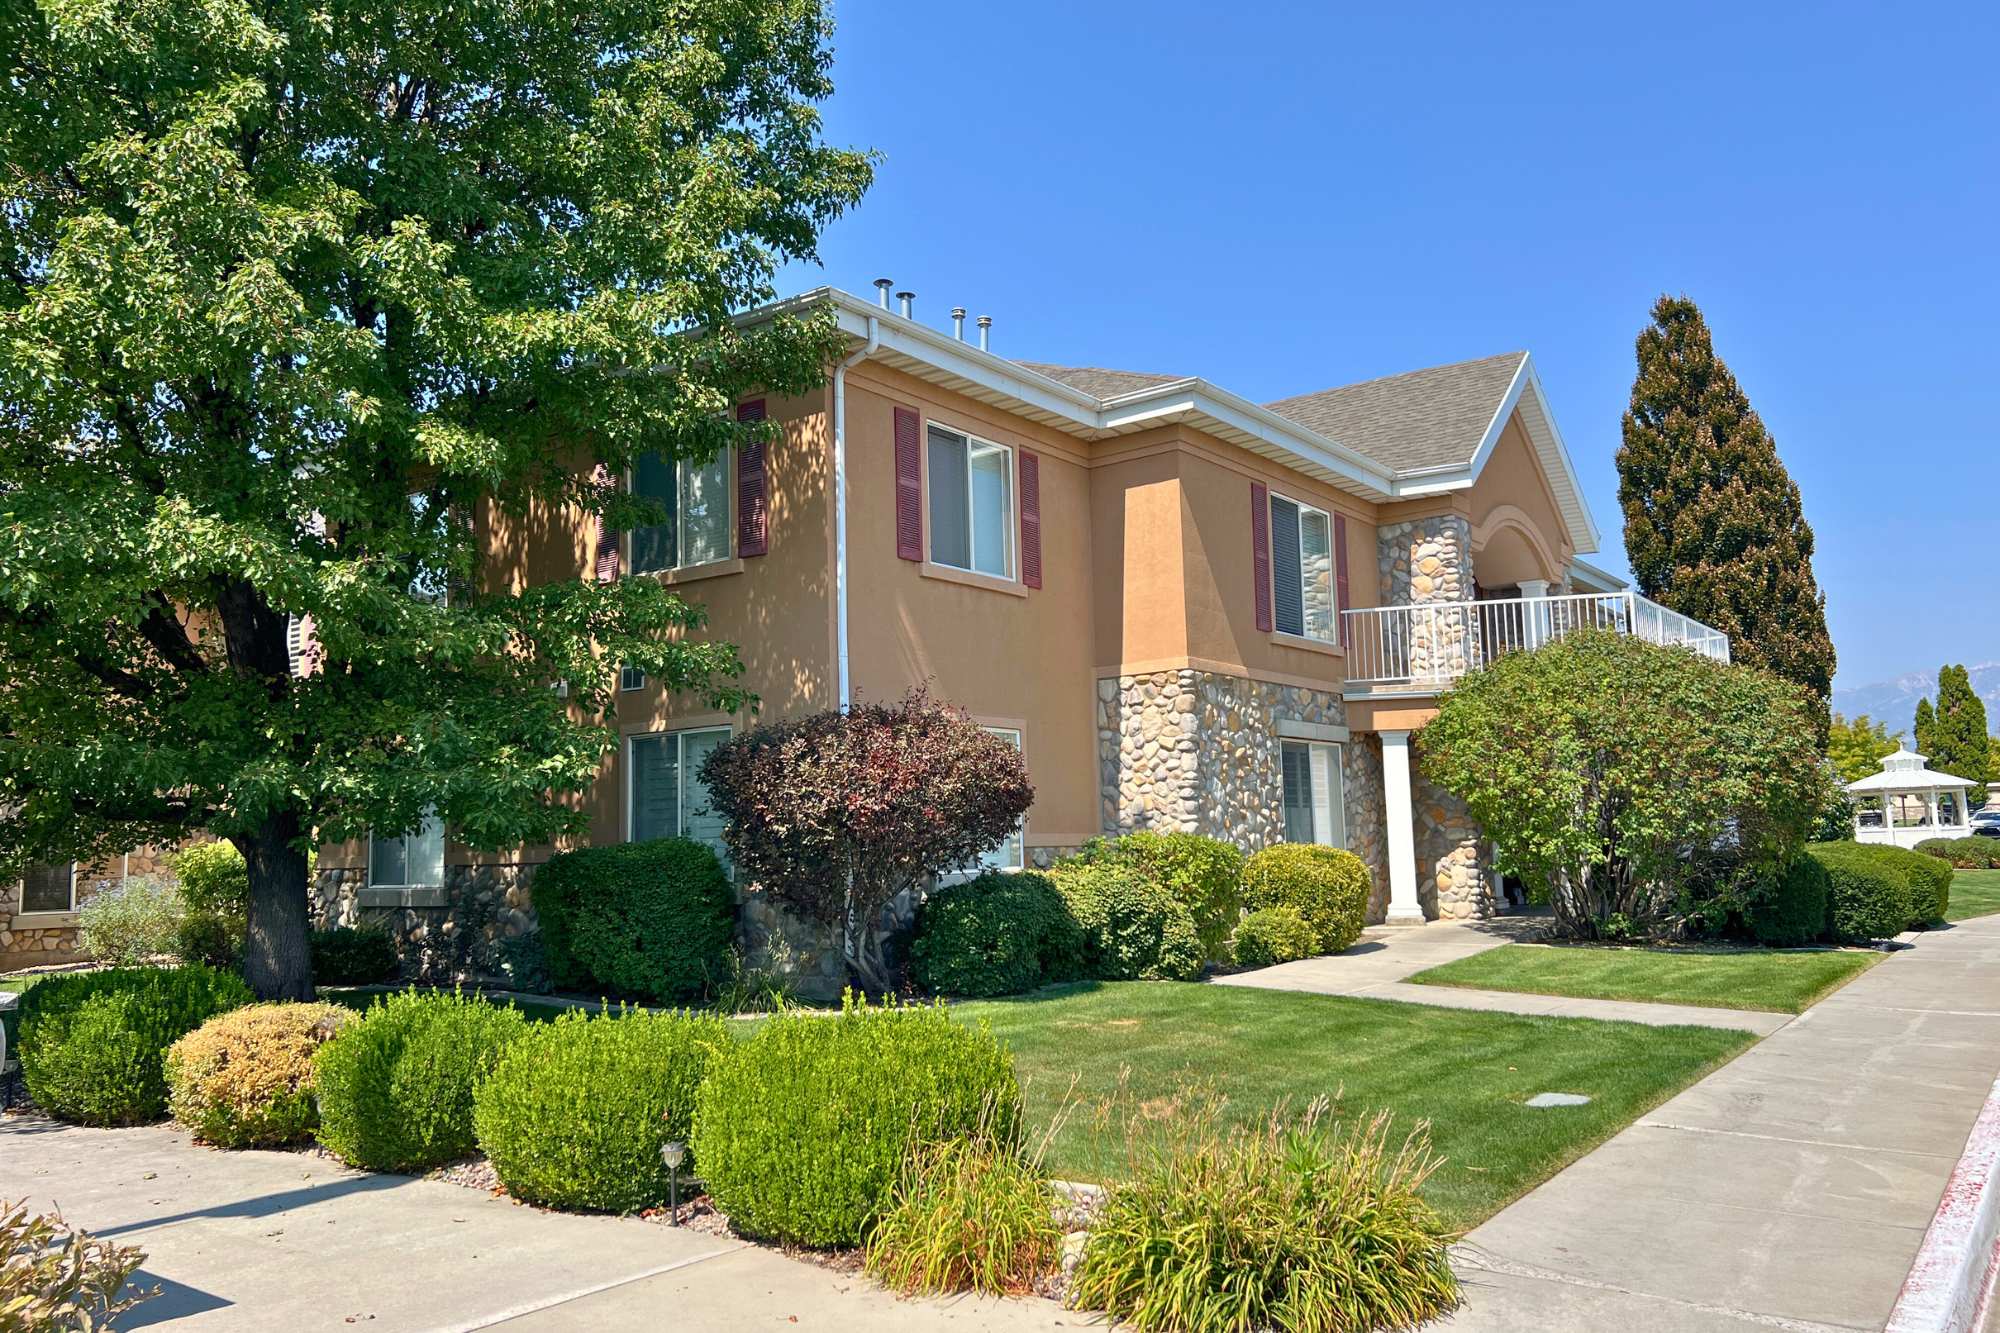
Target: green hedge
x=1274 y=935
x=652 y=920
x=93 y=1044
x=1792 y=909
x=395 y=1089
x=1930 y=885
x=802 y=1130
x=574 y=1113
x=1134 y=928
x=1868 y=896
x=999 y=934
x=1204 y=874
x=1964 y=853
x=1327 y=886
x=353 y=956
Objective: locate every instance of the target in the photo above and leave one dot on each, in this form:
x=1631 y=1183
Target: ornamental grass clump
x=93 y=1044
x=244 y=1079
x=575 y=1112
x=967 y=1214
x=1291 y=1226
x=395 y=1089
x=802 y=1130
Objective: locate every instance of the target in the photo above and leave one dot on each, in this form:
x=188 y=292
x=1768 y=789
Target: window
x=49 y=888
x=1010 y=854
x=408 y=860
x=631 y=678
x=972 y=503
x=1314 y=798
x=1302 y=570
x=696 y=498
x=665 y=796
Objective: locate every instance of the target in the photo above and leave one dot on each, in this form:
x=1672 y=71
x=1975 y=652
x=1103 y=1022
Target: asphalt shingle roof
x=1420 y=419
x=1096 y=381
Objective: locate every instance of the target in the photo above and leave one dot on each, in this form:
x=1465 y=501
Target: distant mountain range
x=1895 y=701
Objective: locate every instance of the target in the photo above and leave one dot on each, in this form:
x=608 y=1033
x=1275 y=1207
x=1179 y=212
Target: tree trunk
x=277 y=959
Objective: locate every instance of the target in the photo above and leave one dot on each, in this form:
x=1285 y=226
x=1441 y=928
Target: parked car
x=1986 y=822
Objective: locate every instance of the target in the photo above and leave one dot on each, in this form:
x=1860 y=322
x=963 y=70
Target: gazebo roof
x=1907 y=771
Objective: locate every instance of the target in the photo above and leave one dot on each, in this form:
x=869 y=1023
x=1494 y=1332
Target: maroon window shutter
x=607 y=538
x=1260 y=558
x=1031 y=519
x=753 y=519
x=1340 y=573
x=909 y=485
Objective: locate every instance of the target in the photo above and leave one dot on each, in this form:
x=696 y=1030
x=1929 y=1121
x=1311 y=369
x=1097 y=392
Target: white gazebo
x=1906 y=802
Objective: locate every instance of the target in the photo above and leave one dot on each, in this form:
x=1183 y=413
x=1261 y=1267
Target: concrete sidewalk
x=1788 y=1190
x=268 y=1240
x=1376 y=969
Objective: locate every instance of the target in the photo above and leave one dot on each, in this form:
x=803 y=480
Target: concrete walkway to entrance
x=1788 y=1190
x=1375 y=969
x=274 y=1240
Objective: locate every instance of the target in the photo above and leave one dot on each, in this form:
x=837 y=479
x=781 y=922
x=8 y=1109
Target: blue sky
x=1284 y=197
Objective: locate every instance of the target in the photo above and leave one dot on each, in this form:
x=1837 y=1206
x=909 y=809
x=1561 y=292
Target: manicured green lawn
x=1783 y=982
x=1137 y=1046
x=1973 y=893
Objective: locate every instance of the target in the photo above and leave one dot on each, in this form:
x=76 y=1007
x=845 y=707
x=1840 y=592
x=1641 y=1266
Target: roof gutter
x=843 y=682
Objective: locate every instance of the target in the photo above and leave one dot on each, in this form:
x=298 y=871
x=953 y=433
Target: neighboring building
x=39 y=912
x=1190 y=610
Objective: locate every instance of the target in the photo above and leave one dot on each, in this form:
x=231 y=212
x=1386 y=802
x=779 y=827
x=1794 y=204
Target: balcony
x=1428 y=646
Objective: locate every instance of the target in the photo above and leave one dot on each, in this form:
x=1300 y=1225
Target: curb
x=1950 y=1286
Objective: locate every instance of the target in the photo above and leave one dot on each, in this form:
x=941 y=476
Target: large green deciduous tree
x=1858 y=746
x=1714 y=527
x=1644 y=788
x=1952 y=733
x=297 y=299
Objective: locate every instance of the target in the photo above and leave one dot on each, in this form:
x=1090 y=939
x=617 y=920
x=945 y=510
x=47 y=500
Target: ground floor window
x=49 y=888
x=665 y=797
x=412 y=860
x=1314 y=797
x=1011 y=854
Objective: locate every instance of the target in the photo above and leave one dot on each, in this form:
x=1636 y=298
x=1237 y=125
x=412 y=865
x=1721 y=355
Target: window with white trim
x=1011 y=854
x=630 y=678
x=413 y=860
x=695 y=497
x=49 y=888
x=1315 y=797
x=1302 y=570
x=664 y=796
x=972 y=503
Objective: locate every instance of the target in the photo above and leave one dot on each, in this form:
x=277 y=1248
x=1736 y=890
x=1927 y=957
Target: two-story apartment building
x=1190 y=610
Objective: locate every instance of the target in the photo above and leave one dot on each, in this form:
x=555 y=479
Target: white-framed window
x=49 y=888
x=412 y=860
x=1012 y=853
x=1302 y=570
x=1315 y=797
x=971 y=486
x=630 y=678
x=664 y=795
x=696 y=499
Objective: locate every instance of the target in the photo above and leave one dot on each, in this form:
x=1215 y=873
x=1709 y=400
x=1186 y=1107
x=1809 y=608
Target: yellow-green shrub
x=1325 y=885
x=245 y=1079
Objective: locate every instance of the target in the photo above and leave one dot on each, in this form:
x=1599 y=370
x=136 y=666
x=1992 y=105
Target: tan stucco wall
x=1513 y=493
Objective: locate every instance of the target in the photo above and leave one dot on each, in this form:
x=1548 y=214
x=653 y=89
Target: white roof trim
x=1592 y=574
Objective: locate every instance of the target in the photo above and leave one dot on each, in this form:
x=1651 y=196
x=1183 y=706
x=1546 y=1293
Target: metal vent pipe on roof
x=882 y=286
x=985 y=323
x=958 y=322
x=906 y=298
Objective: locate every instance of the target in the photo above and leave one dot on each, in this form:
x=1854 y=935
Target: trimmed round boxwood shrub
x=1274 y=935
x=244 y=1079
x=1791 y=909
x=999 y=934
x=1133 y=927
x=1205 y=874
x=395 y=1089
x=802 y=1130
x=93 y=1044
x=1325 y=885
x=652 y=920
x=574 y=1113
x=353 y=956
x=1868 y=898
x=1964 y=853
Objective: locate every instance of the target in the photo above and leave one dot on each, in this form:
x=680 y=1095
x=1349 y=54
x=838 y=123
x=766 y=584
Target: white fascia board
x=1592 y=574
x=1588 y=538
x=1197 y=397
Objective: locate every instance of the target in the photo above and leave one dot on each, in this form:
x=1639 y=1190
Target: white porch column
x=1403 y=906
x=1535 y=613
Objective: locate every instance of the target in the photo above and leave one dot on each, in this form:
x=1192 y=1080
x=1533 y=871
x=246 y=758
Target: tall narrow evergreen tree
x=1714 y=527
x=1954 y=735
x=1925 y=723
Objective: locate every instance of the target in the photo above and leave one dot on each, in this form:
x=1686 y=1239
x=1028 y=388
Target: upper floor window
x=412 y=860
x=49 y=888
x=1315 y=797
x=1302 y=570
x=971 y=503
x=666 y=798
x=696 y=500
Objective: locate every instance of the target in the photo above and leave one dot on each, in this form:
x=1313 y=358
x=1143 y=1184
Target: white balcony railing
x=1434 y=643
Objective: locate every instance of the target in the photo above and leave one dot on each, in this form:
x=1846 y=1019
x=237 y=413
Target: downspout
x=868 y=349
